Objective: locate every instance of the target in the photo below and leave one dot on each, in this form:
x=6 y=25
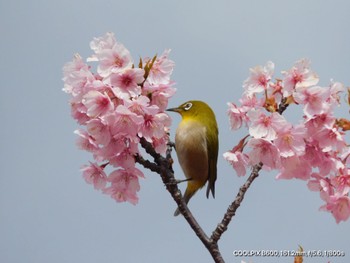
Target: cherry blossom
x=99 y=130
x=259 y=79
x=97 y=103
x=329 y=139
x=238 y=160
x=264 y=151
x=76 y=76
x=300 y=75
x=94 y=174
x=294 y=167
x=339 y=206
x=85 y=141
x=124 y=185
x=314 y=149
x=116 y=107
x=161 y=70
x=112 y=55
x=125 y=121
x=290 y=140
x=160 y=94
x=122 y=104
x=313 y=98
x=154 y=125
x=126 y=83
x=237 y=116
x=264 y=126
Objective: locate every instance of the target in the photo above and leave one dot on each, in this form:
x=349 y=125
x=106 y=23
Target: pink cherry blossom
x=161 y=70
x=237 y=116
x=339 y=206
x=160 y=143
x=85 y=141
x=276 y=90
x=78 y=112
x=259 y=79
x=125 y=83
x=116 y=145
x=251 y=103
x=290 y=140
x=97 y=103
x=76 y=76
x=116 y=106
x=124 y=185
x=263 y=151
x=321 y=184
x=113 y=56
x=313 y=98
x=238 y=160
x=99 y=130
x=125 y=154
x=125 y=121
x=330 y=139
x=99 y=44
x=341 y=181
x=313 y=150
x=335 y=89
x=318 y=122
x=154 y=126
x=316 y=157
x=141 y=106
x=159 y=94
x=330 y=163
x=264 y=126
x=299 y=75
x=94 y=174
x=294 y=167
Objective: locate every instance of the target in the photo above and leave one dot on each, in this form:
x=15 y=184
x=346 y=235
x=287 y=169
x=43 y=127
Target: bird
x=197 y=146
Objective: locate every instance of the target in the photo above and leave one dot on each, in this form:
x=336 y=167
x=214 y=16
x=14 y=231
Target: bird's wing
x=213 y=148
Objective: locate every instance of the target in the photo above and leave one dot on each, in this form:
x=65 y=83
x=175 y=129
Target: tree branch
x=231 y=210
x=163 y=166
x=147 y=164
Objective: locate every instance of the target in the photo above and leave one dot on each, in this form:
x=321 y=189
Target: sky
x=47 y=211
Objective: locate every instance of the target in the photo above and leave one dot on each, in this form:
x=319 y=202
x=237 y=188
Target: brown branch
x=231 y=210
x=147 y=164
x=283 y=106
x=163 y=166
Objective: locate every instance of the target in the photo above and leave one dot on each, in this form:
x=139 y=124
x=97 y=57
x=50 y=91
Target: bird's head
x=194 y=109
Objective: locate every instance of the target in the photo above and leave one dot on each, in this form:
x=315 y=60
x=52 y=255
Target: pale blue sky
x=49 y=214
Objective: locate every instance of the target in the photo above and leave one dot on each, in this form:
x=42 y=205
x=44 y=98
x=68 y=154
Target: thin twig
x=147 y=164
x=231 y=210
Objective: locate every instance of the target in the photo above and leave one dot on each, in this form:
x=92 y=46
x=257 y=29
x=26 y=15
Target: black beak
x=173 y=109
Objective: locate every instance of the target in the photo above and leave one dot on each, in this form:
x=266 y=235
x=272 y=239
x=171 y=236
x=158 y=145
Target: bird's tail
x=187 y=196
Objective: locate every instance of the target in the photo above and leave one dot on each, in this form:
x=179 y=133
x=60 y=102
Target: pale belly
x=191 y=149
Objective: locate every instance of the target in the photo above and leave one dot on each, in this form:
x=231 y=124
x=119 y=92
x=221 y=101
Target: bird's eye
x=188 y=106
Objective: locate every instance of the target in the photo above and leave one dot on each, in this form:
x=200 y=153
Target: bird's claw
x=176 y=181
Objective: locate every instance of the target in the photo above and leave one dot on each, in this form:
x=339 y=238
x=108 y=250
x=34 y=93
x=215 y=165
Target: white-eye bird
x=197 y=145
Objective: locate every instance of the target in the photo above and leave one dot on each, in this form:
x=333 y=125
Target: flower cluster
x=118 y=105
x=313 y=150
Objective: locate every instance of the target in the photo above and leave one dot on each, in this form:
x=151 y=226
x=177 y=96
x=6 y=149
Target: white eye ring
x=188 y=106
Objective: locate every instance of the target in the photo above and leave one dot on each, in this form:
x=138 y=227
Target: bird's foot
x=171 y=144
x=176 y=181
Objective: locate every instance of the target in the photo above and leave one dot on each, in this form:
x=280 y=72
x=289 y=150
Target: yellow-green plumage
x=196 y=144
